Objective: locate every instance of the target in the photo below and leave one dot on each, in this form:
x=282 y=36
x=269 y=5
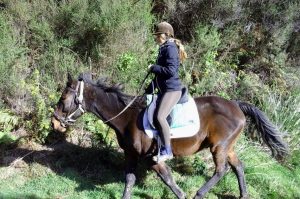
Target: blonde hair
x=181 y=50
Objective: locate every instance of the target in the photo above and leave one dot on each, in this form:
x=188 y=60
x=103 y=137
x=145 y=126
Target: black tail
x=267 y=131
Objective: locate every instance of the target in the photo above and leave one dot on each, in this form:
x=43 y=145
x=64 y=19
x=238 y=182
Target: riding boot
x=165 y=154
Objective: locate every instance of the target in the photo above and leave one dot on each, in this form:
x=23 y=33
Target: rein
x=68 y=120
x=131 y=102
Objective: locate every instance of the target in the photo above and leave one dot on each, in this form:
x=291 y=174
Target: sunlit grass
x=265 y=178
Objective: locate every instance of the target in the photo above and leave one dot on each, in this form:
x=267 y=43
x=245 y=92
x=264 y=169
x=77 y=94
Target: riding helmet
x=164 y=27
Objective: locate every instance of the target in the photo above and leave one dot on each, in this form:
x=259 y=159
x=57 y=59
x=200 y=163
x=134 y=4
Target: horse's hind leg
x=164 y=173
x=220 y=159
x=238 y=169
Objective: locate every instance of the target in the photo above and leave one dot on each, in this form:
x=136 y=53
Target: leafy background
x=238 y=49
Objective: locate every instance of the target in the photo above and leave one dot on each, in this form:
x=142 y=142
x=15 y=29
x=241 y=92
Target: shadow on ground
x=88 y=166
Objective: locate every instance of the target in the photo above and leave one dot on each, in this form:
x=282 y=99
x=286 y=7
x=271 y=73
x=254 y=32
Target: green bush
x=237 y=49
x=39 y=124
x=102 y=134
x=250 y=87
x=285 y=113
x=129 y=45
x=13 y=60
x=214 y=82
x=8 y=122
x=210 y=77
x=42 y=41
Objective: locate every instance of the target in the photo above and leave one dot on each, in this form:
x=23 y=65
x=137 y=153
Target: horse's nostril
x=54 y=123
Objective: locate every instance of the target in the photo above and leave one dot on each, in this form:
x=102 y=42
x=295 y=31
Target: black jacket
x=166 y=69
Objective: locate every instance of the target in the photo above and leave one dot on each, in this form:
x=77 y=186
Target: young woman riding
x=167 y=82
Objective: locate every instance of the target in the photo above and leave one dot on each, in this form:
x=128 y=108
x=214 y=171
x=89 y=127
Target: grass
x=56 y=37
x=71 y=171
x=69 y=184
x=285 y=112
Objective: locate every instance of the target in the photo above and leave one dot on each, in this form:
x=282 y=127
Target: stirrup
x=161 y=158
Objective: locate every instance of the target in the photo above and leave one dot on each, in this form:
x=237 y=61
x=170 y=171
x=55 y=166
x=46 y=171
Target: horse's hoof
x=244 y=197
x=198 y=196
x=181 y=195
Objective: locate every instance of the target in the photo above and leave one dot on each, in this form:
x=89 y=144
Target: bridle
x=78 y=99
x=68 y=120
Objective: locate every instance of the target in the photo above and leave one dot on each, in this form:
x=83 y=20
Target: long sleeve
x=171 y=63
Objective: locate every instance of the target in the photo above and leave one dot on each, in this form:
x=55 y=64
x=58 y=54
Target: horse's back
x=218 y=105
x=220 y=118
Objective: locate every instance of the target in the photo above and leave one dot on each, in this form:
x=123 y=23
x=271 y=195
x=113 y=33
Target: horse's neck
x=105 y=105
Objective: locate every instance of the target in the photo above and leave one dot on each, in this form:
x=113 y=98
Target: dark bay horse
x=221 y=121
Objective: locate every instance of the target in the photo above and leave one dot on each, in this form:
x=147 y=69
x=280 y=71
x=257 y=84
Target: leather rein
x=78 y=99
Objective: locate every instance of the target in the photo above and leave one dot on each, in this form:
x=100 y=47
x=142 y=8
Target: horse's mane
x=116 y=90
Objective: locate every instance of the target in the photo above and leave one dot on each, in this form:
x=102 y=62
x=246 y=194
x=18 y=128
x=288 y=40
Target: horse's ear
x=102 y=80
x=85 y=77
x=119 y=86
x=70 y=79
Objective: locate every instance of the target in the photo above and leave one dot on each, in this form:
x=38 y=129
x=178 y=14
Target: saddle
x=183 y=119
x=152 y=100
x=184 y=96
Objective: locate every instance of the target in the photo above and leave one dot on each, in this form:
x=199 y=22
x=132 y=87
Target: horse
x=222 y=121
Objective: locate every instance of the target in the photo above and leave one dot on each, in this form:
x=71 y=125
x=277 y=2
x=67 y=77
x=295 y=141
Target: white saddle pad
x=189 y=113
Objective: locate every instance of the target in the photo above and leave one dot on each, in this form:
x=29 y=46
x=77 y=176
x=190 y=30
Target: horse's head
x=70 y=105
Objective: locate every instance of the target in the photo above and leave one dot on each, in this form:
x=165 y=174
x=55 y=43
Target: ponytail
x=182 y=53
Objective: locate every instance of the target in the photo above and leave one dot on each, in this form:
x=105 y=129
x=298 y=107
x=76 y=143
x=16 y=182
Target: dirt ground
x=58 y=154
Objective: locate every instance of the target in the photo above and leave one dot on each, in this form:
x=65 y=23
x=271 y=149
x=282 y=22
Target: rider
x=167 y=82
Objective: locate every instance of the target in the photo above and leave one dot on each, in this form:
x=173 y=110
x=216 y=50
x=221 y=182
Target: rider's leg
x=167 y=102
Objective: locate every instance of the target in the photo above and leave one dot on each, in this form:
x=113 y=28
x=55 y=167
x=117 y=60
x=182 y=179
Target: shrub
x=39 y=123
x=285 y=113
x=212 y=80
x=129 y=42
x=8 y=122
x=13 y=63
x=102 y=134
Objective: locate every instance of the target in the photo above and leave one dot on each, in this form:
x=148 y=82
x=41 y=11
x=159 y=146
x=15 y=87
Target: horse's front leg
x=164 y=173
x=130 y=178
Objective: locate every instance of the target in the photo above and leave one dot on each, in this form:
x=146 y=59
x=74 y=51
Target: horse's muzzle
x=56 y=125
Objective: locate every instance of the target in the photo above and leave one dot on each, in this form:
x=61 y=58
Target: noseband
x=68 y=120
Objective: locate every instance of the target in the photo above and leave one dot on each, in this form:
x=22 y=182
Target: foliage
x=12 y=60
x=199 y=166
x=284 y=111
x=39 y=124
x=88 y=174
x=8 y=122
x=252 y=38
x=237 y=49
x=103 y=135
x=42 y=41
x=226 y=58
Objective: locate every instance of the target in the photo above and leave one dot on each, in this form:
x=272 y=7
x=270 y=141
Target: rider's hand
x=150 y=67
